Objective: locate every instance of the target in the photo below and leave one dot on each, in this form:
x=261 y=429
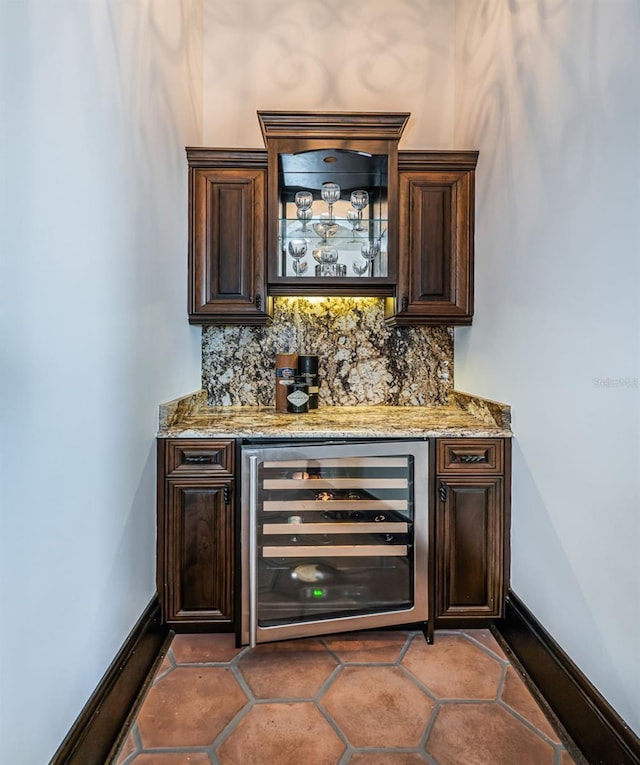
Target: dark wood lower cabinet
x=196 y=550
x=199 y=552
x=468 y=543
x=198 y=529
x=472 y=510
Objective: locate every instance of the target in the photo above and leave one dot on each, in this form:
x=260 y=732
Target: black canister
x=298 y=396
x=308 y=368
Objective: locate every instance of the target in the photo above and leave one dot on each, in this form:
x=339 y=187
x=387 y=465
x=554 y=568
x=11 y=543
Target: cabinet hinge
x=258 y=301
x=226 y=493
x=442 y=491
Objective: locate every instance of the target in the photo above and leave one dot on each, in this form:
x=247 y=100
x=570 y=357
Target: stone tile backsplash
x=362 y=361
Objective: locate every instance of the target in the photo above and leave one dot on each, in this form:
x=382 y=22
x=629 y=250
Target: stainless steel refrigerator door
x=357 y=510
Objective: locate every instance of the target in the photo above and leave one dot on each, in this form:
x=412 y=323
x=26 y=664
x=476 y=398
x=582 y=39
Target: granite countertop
x=463 y=416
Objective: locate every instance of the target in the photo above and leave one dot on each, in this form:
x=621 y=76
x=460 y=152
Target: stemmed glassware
x=359 y=201
x=327 y=258
x=330 y=193
x=352 y=217
x=297 y=250
x=327 y=254
x=369 y=251
x=303 y=201
x=325 y=228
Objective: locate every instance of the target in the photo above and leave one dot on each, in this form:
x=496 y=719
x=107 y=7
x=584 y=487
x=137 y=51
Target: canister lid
x=307 y=363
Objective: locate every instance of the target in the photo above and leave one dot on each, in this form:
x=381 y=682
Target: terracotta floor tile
x=387 y=758
x=367 y=647
x=189 y=707
x=197 y=649
x=378 y=707
x=282 y=734
x=516 y=694
x=484 y=734
x=173 y=758
x=366 y=701
x=488 y=640
x=290 y=669
x=454 y=668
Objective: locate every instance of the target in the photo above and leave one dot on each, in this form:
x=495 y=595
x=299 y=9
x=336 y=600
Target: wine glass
x=359 y=201
x=303 y=201
x=297 y=250
x=360 y=268
x=300 y=266
x=325 y=228
x=329 y=254
x=330 y=193
x=304 y=216
x=352 y=217
x=370 y=250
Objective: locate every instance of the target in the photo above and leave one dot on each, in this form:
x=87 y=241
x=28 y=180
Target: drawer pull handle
x=198 y=459
x=467 y=458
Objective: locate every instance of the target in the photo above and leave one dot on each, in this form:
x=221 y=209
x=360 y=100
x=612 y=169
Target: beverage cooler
x=334 y=537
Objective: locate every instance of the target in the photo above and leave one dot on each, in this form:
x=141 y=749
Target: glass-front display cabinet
x=332 y=202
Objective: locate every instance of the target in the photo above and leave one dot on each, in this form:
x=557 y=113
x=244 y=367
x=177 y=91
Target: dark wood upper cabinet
x=227 y=230
x=436 y=233
x=353 y=152
x=419 y=214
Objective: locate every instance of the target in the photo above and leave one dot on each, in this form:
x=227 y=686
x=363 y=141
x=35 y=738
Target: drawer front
x=199 y=456
x=457 y=456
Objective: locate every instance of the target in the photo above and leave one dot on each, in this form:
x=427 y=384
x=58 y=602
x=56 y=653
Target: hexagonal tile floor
x=369 y=698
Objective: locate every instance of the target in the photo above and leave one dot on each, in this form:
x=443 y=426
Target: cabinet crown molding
x=326 y=125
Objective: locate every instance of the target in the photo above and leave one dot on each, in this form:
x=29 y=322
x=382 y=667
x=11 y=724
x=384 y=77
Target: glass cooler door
x=335 y=538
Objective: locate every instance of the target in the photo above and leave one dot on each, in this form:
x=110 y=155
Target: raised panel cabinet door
x=227 y=240
x=435 y=242
x=470 y=547
x=199 y=552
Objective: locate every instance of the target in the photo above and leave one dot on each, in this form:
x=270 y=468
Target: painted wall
x=548 y=92
x=98 y=101
x=328 y=55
